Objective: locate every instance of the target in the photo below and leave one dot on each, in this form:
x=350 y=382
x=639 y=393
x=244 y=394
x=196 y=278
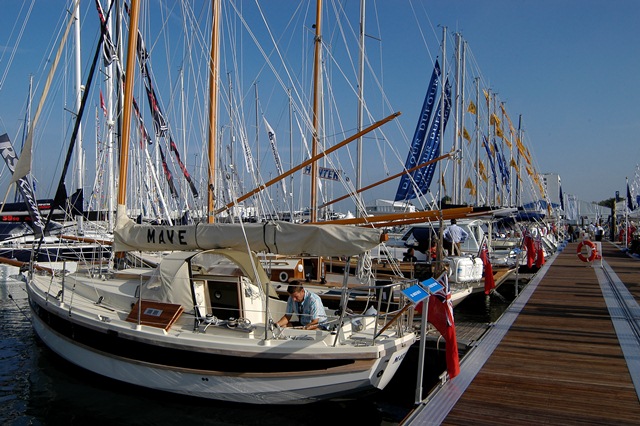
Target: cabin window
x=224 y=298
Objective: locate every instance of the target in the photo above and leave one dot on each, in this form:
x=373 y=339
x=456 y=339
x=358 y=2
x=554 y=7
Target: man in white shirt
x=455 y=235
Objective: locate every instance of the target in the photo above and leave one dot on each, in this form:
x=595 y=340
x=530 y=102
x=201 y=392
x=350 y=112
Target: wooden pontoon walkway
x=566 y=352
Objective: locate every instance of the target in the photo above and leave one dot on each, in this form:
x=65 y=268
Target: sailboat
x=203 y=322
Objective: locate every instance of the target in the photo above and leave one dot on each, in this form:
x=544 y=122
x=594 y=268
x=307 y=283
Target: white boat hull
x=287 y=388
x=97 y=324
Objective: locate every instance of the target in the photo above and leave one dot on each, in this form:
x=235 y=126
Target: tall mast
x=442 y=106
x=291 y=201
x=128 y=101
x=79 y=89
x=477 y=141
x=360 y=108
x=316 y=111
x=462 y=114
x=518 y=139
x=213 y=105
x=25 y=129
x=488 y=148
x=458 y=115
x=110 y=140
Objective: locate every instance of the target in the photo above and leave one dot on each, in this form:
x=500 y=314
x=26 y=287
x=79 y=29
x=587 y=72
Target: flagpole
x=442 y=106
x=421 y=352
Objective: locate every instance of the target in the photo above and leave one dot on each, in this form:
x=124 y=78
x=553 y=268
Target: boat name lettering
x=167 y=236
x=399 y=358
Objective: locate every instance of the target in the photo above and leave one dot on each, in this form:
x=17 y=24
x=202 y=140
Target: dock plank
x=561 y=361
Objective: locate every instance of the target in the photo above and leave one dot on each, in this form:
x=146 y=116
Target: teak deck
x=560 y=362
x=155 y=314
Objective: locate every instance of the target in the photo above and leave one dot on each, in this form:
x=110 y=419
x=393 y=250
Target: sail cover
x=274 y=237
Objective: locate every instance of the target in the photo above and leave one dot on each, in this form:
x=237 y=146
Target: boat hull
x=202 y=375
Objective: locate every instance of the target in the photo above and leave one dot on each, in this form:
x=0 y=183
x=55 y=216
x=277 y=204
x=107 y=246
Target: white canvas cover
x=171 y=280
x=272 y=237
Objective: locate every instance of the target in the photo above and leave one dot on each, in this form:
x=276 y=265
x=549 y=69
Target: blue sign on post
x=415 y=293
x=432 y=285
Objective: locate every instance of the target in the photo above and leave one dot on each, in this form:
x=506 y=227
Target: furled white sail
x=274 y=237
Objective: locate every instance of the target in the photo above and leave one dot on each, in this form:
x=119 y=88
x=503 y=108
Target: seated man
x=306 y=304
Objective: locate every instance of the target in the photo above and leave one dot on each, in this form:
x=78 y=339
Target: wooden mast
x=316 y=110
x=128 y=101
x=308 y=162
x=213 y=106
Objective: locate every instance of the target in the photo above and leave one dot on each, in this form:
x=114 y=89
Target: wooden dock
x=566 y=352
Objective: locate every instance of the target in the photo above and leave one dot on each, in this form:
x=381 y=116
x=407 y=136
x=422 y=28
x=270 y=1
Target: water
x=39 y=388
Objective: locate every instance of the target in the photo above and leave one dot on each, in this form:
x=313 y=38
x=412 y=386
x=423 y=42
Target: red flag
x=489 y=282
x=531 y=250
x=104 y=108
x=440 y=314
x=540 y=255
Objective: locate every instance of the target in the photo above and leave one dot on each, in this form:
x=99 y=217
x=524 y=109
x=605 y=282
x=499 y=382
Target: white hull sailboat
x=203 y=322
x=197 y=326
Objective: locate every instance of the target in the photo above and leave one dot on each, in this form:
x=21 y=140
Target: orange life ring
x=591 y=248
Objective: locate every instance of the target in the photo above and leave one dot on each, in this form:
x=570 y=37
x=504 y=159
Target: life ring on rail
x=284 y=277
x=591 y=249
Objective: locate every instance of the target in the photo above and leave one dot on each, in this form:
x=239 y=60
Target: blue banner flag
x=629 y=199
x=424 y=183
x=502 y=165
x=417 y=144
x=490 y=155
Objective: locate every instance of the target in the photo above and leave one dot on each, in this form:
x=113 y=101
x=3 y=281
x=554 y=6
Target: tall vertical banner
x=417 y=143
x=433 y=144
x=24 y=186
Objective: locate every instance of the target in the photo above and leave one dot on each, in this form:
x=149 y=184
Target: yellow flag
x=472 y=108
x=514 y=165
x=499 y=133
x=508 y=142
x=521 y=147
x=483 y=171
x=494 y=119
x=470 y=186
x=465 y=134
x=529 y=171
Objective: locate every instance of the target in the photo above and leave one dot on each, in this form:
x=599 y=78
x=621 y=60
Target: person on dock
x=570 y=232
x=456 y=235
x=410 y=256
x=307 y=305
x=599 y=232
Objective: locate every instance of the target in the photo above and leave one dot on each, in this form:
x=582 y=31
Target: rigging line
x=270 y=63
x=24 y=163
x=15 y=46
x=85 y=96
x=312 y=159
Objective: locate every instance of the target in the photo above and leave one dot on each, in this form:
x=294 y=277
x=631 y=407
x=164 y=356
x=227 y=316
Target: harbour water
x=39 y=388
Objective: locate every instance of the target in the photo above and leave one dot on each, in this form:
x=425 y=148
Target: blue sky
x=568 y=68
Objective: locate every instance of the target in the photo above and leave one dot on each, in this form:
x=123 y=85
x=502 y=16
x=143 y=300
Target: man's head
x=453 y=221
x=296 y=291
